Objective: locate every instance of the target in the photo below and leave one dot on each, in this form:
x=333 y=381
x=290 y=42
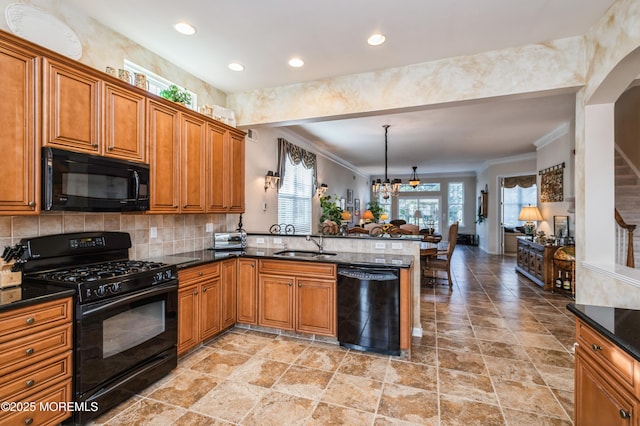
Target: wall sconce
x=271 y=180
x=322 y=189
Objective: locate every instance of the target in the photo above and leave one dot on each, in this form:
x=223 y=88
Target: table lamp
x=383 y=217
x=367 y=216
x=530 y=214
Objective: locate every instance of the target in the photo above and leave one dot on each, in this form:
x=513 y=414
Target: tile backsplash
x=175 y=233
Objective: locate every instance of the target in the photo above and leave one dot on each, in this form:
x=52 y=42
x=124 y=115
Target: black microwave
x=90 y=183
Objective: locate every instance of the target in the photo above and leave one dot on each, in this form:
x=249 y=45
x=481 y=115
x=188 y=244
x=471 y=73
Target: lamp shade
x=346 y=215
x=530 y=214
x=367 y=215
x=384 y=216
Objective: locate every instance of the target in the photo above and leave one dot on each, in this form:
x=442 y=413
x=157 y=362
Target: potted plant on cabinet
x=173 y=93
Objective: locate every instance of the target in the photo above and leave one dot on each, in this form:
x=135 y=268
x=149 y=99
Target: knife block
x=7 y=277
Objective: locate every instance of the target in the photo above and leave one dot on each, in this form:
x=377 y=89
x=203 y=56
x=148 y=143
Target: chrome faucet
x=318 y=244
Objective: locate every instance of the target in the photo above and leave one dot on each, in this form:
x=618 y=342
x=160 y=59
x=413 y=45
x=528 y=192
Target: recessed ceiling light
x=184 y=28
x=376 y=39
x=236 y=66
x=296 y=62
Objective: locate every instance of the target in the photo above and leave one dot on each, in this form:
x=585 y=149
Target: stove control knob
x=157 y=277
x=116 y=287
x=167 y=274
x=101 y=291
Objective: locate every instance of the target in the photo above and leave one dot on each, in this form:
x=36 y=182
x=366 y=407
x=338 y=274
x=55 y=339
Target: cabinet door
x=599 y=400
x=228 y=291
x=71 y=108
x=124 y=123
x=187 y=318
x=209 y=308
x=247 y=291
x=18 y=138
x=193 y=172
x=236 y=173
x=217 y=182
x=164 y=157
x=315 y=306
x=275 y=307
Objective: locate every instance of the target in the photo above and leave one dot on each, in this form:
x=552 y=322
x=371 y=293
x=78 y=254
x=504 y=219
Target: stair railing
x=624 y=241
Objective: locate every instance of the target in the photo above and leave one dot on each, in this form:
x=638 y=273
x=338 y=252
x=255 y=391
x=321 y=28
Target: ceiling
x=330 y=36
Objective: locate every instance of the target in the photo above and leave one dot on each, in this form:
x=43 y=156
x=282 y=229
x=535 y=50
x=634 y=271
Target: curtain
x=297 y=155
x=522 y=181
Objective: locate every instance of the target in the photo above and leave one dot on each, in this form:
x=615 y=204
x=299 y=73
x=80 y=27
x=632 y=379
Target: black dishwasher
x=369 y=309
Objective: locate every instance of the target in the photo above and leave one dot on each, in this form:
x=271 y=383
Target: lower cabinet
x=247 y=291
x=36 y=362
x=606 y=381
x=206 y=302
x=297 y=296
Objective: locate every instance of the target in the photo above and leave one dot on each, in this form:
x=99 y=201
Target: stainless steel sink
x=303 y=253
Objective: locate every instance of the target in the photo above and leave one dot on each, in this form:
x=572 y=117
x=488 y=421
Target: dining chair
x=442 y=260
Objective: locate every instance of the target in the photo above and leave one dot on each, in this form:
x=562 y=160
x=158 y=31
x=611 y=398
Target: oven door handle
x=139 y=295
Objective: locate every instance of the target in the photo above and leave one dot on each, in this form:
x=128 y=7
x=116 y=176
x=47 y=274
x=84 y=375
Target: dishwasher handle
x=369 y=274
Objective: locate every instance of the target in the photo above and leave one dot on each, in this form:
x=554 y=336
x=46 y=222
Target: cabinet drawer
x=198 y=273
x=15 y=386
x=48 y=407
x=31 y=319
x=309 y=269
x=28 y=350
x=609 y=356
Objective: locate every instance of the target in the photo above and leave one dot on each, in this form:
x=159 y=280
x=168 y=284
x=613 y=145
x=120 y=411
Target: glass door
x=421 y=211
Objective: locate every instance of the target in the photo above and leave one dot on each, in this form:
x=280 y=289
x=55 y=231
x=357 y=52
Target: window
x=513 y=199
x=428 y=208
x=456 y=203
x=385 y=204
x=294 y=197
x=158 y=83
x=423 y=187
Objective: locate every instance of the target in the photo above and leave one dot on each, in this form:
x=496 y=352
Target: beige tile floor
x=495 y=350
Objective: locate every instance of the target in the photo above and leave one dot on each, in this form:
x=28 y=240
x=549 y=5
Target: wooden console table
x=535 y=261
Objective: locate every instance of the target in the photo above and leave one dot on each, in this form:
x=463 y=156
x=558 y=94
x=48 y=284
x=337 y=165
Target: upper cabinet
x=193 y=138
x=84 y=114
x=123 y=115
x=163 y=130
x=19 y=141
x=70 y=108
x=225 y=172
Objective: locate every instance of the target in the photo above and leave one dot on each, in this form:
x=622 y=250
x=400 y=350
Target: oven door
x=118 y=334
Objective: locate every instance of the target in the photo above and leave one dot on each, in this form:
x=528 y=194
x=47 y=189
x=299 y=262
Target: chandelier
x=415 y=180
x=386 y=188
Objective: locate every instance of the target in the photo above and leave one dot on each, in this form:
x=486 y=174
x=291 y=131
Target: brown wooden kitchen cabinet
x=193 y=140
x=84 y=114
x=124 y=123
x=71 y=108
x=206 y=302
x=36 y=361
x=228 y=295
x=607 y=381
x=19 y=138
x=297 y=296
x=247 y=291
x=225 y=170
x=163 y=132
x=535 y=261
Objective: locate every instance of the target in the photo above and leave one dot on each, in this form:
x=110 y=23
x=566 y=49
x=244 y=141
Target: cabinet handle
x=30 y=383
x=29 y=351
x=290 y=284
x=299 y=285
x=28 y=421
x=625 y=414
x=95 y=145
x=30 y=320
x=175 y=206
x=32 y=203
x=109 y=148
x=184 y=206
x=200 y=273
x=195 y=293
x=204 y=290
x=596 y=347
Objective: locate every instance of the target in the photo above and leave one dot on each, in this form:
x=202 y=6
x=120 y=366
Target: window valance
x=296 y=155
x=522 y=181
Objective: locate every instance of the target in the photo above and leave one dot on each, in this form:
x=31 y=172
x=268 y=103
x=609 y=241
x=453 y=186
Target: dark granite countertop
x=194 y=258
x=31 y=293
x=618 y=325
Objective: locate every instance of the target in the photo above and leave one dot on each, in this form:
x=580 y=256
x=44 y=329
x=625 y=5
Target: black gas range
x=125 y=315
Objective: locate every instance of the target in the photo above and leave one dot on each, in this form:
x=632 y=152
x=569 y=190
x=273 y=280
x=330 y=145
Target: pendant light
x=415 y=180
x=386 y=188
